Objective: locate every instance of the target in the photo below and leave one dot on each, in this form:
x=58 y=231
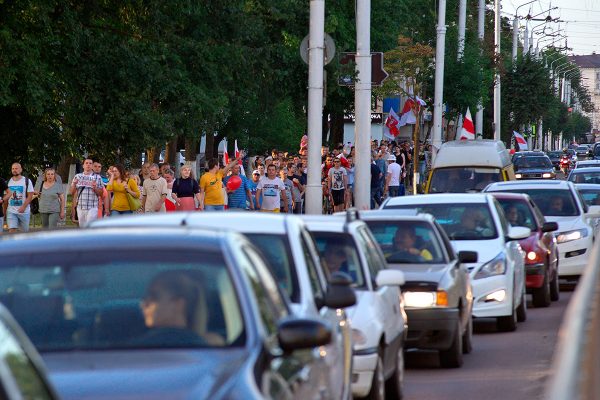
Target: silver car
x=438 y=297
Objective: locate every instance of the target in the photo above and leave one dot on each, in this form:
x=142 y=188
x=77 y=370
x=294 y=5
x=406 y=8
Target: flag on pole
x=343 y=160
x=468 y=129
x=390 y=129
x=520 y=141
x=237 y=154
x=407 y=116
x=225 y=154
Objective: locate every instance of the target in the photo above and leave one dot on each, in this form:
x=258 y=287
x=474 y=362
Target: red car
x=541 y=252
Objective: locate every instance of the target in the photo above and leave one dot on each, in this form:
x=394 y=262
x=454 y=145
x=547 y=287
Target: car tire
x=508 y=323
x=522 y=309
x=555 y=287
x=377 y=391
x=541 y=296
x=394 y=385
x=467 y=338
x=453 y=357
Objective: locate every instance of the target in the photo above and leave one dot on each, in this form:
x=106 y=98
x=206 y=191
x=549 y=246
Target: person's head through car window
x=405 y=244
x=512 y=215
x=335 y=257
x=555 y=207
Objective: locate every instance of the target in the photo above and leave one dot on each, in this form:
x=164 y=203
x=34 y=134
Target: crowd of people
x=277 y=183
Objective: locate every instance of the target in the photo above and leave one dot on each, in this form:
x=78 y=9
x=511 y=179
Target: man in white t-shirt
x=337 y=180
x=20 y=194
x=270 y=191
x=392 y=179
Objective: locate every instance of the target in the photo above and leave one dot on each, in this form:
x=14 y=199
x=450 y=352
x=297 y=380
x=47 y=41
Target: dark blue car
x=534 y=167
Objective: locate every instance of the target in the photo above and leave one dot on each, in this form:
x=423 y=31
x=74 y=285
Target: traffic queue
x=260 y=305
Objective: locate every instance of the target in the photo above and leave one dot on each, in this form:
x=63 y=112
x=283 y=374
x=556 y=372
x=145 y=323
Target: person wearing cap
x=393 y=184
x=252 y=185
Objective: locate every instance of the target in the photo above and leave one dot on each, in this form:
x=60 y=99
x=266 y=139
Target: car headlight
x=546 y=175
x=358 y=338
x=496 y=266
x=518 y=176
x=425 y=299
x=568 y=236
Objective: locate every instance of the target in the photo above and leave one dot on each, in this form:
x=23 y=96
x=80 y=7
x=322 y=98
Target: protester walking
x=212 y=197
x=18 y=212
x=185 y=190
x=121 y=187
x=155 y=192
x=236 y=199
x=270 y=190
x=86 y=190
x=51 y=199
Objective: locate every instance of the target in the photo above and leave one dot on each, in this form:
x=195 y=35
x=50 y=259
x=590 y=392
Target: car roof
x=482 y=153
x=510 y=196
x=438 y=198
x=331 y=223
x=589 y=186
x=529 y=184
x=585 y=170
x=395 y=215
x=246 y=222
x=114 y=239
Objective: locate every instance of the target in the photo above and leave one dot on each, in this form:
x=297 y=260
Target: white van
x=469 y=166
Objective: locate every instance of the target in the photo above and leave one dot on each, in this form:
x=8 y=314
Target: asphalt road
x=513 y=366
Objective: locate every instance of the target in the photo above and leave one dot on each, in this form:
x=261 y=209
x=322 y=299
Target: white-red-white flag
x=343 y=160
x=225 y=154
x=520 y=141
x=237 y=154
x=390 y=128
x=407 y=116
x=468 y=129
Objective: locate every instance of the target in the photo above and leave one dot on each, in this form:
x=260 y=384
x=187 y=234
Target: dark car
x=585 y=175
x=534 y=167
x=554 y=157
x=22 y=373
x=529 y=153
x=582 y=151
x=159 y=314
x=541 y=251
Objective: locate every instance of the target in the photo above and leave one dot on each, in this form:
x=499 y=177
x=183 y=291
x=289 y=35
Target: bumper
x=493 y=308
x=573 y=256
x=534 y=278
x=431 y=328
x=363 y=367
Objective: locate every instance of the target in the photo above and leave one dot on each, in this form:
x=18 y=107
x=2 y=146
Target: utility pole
x=481 y=32
x=314 y=190
x=462 y=22
x=438 y=100
x=515 y=38
x=362 y=106
x=497 y=87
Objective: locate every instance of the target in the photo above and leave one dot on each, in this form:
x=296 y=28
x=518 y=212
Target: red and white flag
x=468 y=129
x=343 y=160
x=390 y=129
x=407 y=115
x=225 y=154
x=237 y=154
x=520 y=141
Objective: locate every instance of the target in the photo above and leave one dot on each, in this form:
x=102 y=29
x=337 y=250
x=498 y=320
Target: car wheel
x=453 y=357
x=541 y=296
x=377 y=391
x=522 y=309
x=467 y=339
x=393 y=386
x=508 y=323
x=554 y=287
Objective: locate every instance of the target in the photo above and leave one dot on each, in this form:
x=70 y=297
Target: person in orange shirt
x=211 y=185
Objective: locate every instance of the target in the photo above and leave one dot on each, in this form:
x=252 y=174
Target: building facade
x=589 y=66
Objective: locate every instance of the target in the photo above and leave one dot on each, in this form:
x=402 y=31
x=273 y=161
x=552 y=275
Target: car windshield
x=587 y=164
x=407 y=242
x=591 y=196
x=276 y=250
x=533 y=162
x=555 y=154
x=551 y=202
x=582 y=148
x=338 y=253
x=94 y=300
x=518 y=213
x=463 y=179
x=469 y=221
x=585 y=176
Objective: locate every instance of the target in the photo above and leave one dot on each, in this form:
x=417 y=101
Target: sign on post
x=378 y=74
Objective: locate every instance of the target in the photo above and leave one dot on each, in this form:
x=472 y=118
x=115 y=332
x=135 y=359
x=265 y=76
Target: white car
x=560 y=202
x=476 y=222
x=291 y=253
x=378 y=319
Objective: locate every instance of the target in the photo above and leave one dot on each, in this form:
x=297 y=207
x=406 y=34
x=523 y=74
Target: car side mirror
x=518 y=233
x=339 y=292
x=302 y=333
x=390 y=277
x=549 y=227
x=465 y=257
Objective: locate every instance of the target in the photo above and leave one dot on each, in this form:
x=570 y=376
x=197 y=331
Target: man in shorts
x=337 y=180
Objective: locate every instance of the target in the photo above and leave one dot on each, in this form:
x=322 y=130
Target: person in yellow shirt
x=404 y=245
x=119 y=185
x=212 y=196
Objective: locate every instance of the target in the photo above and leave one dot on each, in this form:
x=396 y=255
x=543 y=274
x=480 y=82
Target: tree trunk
x=337 y=128
x=171 y=152
x=153 y=155
x=191 y=149
x=62 y=169
x=209 y=148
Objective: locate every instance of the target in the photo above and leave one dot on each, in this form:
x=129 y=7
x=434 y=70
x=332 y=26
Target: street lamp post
x=516 y=30
x=438 y=100
x=497 y=87
x=480 y=32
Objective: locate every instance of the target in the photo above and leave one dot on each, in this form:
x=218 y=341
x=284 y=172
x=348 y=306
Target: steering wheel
x=470 y=232
x=406 y=256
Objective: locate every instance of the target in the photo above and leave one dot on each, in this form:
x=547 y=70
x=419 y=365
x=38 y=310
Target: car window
x=591 y=197
x=583 y=175
x=313 y=274
x=463 y=179
x=551 y=202
x=375 y=263
x=278 y=254
x=518 y=213
x=23 y=372
x=468 y=221
x=533 y=162
x=503 y=221
x=339 y=253
x=413 y=242
x=271 y=305
x=92 y=300
x=445 y=241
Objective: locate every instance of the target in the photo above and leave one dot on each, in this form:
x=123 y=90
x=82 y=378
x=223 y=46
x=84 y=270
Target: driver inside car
x=405 y=241
x=473 y=221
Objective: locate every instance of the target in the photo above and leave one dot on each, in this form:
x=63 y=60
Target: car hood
x=422 y=272
x=144 y=374
x=486 y=249
x=567 y=223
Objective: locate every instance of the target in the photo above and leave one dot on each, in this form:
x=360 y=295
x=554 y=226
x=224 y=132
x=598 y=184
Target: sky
x=581 y=21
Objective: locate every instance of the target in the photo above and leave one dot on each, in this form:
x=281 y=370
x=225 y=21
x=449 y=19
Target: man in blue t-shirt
x=253 y=185
x=236 y=199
